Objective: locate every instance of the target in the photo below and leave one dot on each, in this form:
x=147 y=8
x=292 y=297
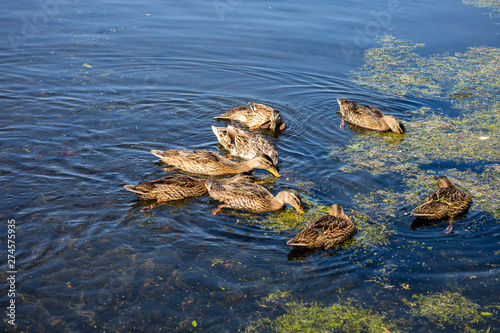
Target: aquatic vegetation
x=340 y=317
x=278 y=295
x=396 y=68
x=484 y=187
x=370 y=231
x=466 y=139
x=446 y=309
x=493 y=5
x=290 y=219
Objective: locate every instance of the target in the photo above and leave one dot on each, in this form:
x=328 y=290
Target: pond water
x=88 y=88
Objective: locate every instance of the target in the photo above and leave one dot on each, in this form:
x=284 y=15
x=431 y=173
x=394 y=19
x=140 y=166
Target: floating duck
x=251 y=197
x=368 y=116
x=210 y=163
x=256 y=115
x=326 y=230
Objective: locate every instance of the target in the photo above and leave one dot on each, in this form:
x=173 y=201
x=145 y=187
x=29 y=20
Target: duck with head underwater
x=210 y=163
x=256 y=115
x=326 y=230
x=368 y=116
x=251 y=197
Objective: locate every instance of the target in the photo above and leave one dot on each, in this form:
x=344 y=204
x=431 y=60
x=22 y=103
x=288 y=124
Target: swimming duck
x=446 y=201
x=243 y=144
x=178 y=186
x=368 y=116
x=251 y=197
x=256 y=115
x=325 y=230
x=210 y=163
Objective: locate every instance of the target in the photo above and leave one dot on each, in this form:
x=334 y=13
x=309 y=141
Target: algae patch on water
x=370 y=230
x=492 y=5
x=468 y=139
x=340 y=317
x=446 y=309
x=396 y=68
x=482 y=184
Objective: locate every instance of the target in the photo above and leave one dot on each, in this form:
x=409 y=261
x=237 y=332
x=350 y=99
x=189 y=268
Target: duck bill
x=299 y=209
x=274 y=172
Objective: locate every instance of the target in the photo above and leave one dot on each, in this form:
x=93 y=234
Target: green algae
x=446 y=309
x=483 y=186
x=492 y=5
x=370 y=231
x=468 y=139
x=396 y=68
x=340 y=317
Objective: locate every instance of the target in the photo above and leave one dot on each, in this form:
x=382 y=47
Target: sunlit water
x=88 y=88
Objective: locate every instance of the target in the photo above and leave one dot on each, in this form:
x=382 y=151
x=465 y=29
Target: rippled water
x=89 y=88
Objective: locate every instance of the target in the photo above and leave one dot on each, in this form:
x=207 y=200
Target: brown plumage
x=210 y=163
x=251 y=197
x=244 y=144
x=256 y=115
x=326 y=230
x=368 y=116
x=446 y=201
x=178 y=186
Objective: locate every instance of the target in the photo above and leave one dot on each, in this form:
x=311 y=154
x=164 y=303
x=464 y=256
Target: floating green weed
x=277 y=296
x=468 y=139
x=344 y=317
x=371 y=231
x=484 y=187
x=493 y=5
x=445 y=309
x=396 y=68
x=290 y=219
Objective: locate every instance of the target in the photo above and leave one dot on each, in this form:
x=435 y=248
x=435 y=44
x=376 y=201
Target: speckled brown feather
x=255 y=115
x=178 y=186
x=447 y=201
x=251 y=197
x=244 y=144
x=210 y=163
x=325 y=230
x=368 y=116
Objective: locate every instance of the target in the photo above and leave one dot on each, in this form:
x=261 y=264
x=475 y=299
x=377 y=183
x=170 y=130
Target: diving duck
x=446 y=201
x=325 y=230
x=243 y=144
x=368 y=116
x=210 y=163
x=178 y=186
x=251 y=197
x=256 y=115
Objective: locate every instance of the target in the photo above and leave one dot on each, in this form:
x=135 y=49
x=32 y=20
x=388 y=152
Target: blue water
x=88 y=88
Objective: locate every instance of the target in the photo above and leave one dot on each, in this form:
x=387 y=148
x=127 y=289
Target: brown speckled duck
x=244 y=144
x=178 y=186
x=368 y=116
x=326 y=230
x=210 y=163
x=251 y=197
x=446 y=201
x=256 y=115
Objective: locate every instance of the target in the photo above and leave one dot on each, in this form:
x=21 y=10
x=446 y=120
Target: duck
x=251 y=197
x=244 y=144
x=256 y=115
x=325 y=231
x=210 y=163
x=368 y=116
x=446 y=201
x=179 y=186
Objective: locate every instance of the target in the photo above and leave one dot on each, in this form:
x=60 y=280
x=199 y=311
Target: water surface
x=89 y=88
